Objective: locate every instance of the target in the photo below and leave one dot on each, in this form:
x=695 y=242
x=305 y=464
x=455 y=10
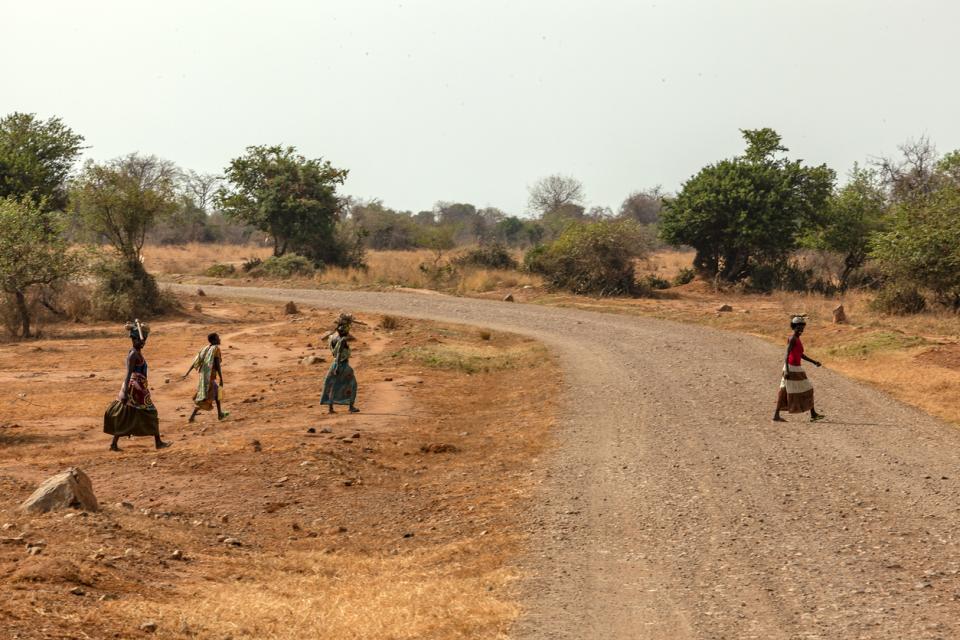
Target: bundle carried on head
x=798 y=319
x=344 y=320
x=137 y=330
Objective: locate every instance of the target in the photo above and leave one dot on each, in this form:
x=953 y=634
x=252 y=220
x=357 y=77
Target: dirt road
x=674 y=508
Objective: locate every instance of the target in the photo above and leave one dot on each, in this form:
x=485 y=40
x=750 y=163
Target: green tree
x=120 y=201
x=33 y=253
x=748 y=211
x=282 y=193
x=36 y=157
x=921 y=248
x=853 y=215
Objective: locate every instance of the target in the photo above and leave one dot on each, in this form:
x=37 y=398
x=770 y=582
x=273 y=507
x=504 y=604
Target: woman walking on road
x=340 y=385
x=133 y=412
x=208 y=365
x=796 y=391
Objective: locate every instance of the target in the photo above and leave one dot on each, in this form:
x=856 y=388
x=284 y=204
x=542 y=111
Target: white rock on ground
x=69 y=489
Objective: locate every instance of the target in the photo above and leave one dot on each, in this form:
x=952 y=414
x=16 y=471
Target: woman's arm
x=126 y=379
x=811 y=360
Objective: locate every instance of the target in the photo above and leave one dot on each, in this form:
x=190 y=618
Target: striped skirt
x=796 y=391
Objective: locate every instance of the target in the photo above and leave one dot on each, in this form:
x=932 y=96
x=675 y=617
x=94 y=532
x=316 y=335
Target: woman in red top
x=796 y=391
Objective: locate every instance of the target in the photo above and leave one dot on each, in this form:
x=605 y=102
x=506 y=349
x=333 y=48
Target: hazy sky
x=473 y=101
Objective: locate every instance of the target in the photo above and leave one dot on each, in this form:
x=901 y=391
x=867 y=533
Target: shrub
x=221 y=270
x=785 y=276
x=899 y=299
x=653 y=281
x=389 y=323
x=684 y=276
x=251 y=264
x=490 y=256
x=593 y=258
x=285 y=266
x=126 y=291
x=922 y=247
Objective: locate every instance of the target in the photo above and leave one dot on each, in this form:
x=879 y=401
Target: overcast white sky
x=472 y=101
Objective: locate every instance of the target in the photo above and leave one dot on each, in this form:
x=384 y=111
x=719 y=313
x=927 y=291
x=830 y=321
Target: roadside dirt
x=673 y=508
x=395 y=522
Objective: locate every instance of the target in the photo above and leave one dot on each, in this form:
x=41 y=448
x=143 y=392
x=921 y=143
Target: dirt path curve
x=673 y=507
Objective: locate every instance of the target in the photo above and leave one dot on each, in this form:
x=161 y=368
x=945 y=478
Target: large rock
x=70 y=489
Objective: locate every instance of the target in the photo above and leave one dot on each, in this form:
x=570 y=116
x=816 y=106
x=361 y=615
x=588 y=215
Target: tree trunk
x=24 y=312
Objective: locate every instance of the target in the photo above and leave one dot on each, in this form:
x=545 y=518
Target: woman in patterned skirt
x=133 y=412
x=796 y=390
x=340 y=385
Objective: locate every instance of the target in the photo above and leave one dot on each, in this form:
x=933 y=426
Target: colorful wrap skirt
x=340 y=385
x=796 y=391
x=206 y=401
x=135 y=417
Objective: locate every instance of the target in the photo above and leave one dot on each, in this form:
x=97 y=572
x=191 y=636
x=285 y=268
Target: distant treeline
x=759 y=220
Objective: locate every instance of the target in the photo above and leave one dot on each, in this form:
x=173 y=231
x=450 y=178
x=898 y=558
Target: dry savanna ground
x=914 y=358
x=398 y=522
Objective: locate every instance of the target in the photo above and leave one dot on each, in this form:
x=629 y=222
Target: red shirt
x=796 y=353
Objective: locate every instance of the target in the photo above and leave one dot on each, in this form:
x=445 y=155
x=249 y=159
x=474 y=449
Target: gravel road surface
x=674 y=508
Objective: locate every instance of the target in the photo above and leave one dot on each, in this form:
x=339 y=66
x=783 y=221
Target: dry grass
x=195 y=258
x=402 y=269
x=665 y=264
x=384 y=269
x=458 y=590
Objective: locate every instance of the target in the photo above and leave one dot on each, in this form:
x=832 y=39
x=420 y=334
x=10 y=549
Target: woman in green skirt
x=340 y=385
x=133 y=412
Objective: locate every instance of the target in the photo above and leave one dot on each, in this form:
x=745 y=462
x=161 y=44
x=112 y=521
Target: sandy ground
x=396 y=522
x=672 y=506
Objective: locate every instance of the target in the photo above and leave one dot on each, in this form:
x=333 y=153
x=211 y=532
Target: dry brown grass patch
x=457 y=590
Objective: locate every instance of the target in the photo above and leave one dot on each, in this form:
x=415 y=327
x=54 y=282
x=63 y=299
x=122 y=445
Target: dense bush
x=221 y=270
x=653 y=281
x=899 y=299
x=489 y=256
x=285 y=266
x=251 y=264
x=921 y=250
x=785 y=276
x=126 y=291
x=592 y=258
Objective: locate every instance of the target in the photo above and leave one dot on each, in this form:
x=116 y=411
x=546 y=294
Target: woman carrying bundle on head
x=796 y=390
x=340 y=385
x=133 y=412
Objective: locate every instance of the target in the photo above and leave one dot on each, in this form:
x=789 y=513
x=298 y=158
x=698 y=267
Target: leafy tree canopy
x=36 y=157
x=747 y=211
x=122 y=199
x=854 y=213
x=32 y=253
x=294 y=199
